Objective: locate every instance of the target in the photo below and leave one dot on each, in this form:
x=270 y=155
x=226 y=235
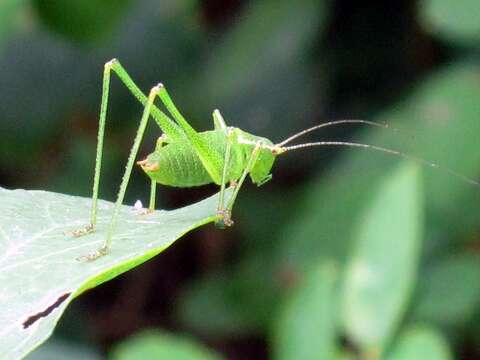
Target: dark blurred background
x=273 y=67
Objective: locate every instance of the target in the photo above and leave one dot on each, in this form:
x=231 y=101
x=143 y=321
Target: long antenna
x=385 y=150
x=330 y=123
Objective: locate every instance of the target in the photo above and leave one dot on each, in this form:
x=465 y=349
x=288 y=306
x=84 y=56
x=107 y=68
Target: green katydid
x=184 y=157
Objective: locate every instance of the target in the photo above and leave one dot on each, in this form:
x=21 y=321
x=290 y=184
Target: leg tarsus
x=95 y=255
x=224 y=219
x=90 y=228
x=145 y=212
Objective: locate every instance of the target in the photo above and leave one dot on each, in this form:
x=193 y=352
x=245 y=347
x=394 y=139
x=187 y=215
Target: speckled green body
x=178 y=164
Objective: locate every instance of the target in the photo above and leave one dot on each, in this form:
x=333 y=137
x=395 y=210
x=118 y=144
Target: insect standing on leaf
x=184 y=157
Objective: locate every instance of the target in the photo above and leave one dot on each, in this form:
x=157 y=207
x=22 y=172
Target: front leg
x=227 y=212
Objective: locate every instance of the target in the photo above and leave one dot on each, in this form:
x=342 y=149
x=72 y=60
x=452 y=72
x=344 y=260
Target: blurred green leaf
x=259 y=71
x=420 y=343
x=449 y=291
x=381 y=270
x=222 y=304
x=454 y=20
x=344 y=355
x=271 y=32
x=39 y=272
x=8 y=14
x=82 y=21
x=307 y=323
x=154 y=344
x=210 y=306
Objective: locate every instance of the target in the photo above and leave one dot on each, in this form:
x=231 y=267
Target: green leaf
x=263 y=61
x=419 y=343
x=441 y=282
x=230 y=303
x=154 y=344
x=39 y=272
x=381 y=271
x=9 y=10
x=80 y=20
x=452 y=19
x=270 y=34
x=307 y=323
x=212 y=307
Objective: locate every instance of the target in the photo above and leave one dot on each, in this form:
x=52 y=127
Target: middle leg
x=220 y=222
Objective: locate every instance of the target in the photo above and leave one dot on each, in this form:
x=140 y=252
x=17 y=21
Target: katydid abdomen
x=178 y=164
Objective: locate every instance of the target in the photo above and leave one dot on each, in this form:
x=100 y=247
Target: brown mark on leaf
x=33 y=318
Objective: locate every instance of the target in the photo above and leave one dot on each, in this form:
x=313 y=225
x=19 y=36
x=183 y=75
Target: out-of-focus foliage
x=160 y=345
x=419 y=343
x=9 y=10
x=452 y=278
x=374 y=301
x=272 y=68
x=456 y=22
x=307 y=323
x=82 y=21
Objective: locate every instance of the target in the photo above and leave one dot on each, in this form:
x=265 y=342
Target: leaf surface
x=39 y=272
